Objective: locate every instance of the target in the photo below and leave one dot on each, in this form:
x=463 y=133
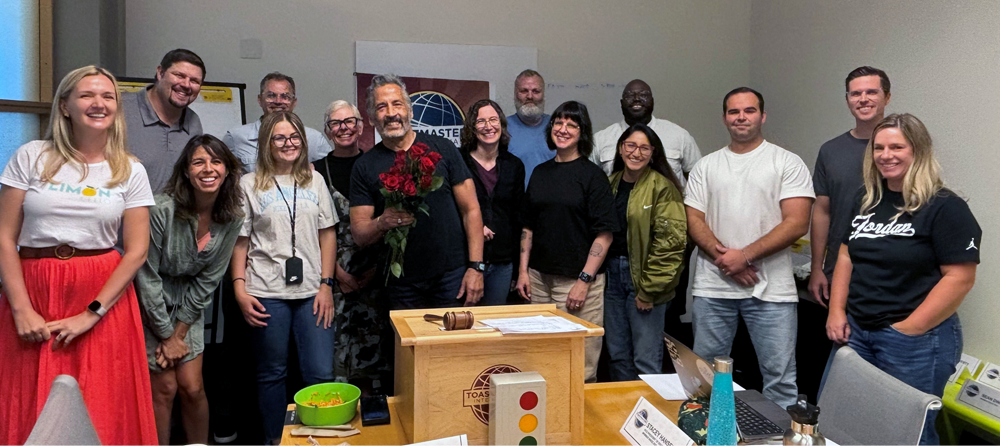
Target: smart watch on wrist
x=478 y=266
x=586 y=278
x=327 y=281
x=98 y=309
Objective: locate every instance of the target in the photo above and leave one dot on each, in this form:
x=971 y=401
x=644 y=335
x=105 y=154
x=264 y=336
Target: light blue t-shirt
x=528 y=143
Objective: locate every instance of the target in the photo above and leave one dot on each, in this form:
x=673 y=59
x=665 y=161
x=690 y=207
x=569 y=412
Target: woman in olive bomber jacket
x=646 y=256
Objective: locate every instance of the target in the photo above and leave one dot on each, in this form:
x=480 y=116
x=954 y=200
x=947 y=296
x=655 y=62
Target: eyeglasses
x=335 y=124
x=569 y=125
x=630 y=147
x=493 y=121
x=636 y=95
x=273 y=97
x=280 y=141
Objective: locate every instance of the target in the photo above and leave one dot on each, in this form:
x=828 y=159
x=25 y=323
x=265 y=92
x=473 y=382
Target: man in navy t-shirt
x=837 y=176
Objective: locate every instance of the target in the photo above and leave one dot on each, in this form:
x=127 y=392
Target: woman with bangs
x=283 y=265
x=906 y=263
x=568 y=219
x=67 y=291
x=193 y=229
x=646 y=253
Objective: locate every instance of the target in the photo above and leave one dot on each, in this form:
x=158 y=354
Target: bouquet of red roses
x=405 y=187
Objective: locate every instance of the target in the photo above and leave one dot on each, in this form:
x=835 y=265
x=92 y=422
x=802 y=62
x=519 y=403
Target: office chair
x=64 y=418
x=863 y=405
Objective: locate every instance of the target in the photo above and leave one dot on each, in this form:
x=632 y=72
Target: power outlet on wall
x=251 y=49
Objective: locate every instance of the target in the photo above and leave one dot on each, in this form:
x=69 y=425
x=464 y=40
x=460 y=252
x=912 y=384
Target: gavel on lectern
x=453 y=320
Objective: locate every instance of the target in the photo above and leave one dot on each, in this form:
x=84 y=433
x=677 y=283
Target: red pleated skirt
x=109 y=360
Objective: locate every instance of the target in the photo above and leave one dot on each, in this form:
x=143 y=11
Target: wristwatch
x=586 y=278
x=327 y=280
x=98 y=309
x=478 y=266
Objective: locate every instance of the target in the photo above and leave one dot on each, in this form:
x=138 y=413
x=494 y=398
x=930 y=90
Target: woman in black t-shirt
x=499 y=179
x=568 y=220
x=905 y=264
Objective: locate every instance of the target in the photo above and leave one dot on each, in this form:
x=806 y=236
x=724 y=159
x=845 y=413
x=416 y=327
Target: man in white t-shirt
x=637 y=106
x=746 y=204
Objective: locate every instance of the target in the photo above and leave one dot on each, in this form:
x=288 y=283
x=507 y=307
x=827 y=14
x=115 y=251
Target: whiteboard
x=498 y=65
x=220 y=105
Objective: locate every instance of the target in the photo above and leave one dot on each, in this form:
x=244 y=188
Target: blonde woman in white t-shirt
x=68 y=293
x=283 y=264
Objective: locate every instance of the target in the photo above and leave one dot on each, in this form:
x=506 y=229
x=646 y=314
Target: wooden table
x=605 y=407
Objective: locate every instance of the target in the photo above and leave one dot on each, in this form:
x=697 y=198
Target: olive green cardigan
x=657 y=234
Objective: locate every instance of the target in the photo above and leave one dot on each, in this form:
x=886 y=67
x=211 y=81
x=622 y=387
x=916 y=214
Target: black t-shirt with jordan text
x=897 y=260
x=437 y=243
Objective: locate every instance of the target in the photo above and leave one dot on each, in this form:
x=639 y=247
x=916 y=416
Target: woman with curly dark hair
x=193 y=229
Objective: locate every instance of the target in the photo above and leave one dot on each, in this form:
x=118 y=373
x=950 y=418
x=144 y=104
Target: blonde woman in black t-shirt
x=905 y=264
x=568 y=219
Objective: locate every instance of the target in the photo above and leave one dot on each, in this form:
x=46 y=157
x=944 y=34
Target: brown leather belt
x=61 y=252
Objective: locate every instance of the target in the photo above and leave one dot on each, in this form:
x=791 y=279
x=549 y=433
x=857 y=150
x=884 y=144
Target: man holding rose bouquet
x=430 y=219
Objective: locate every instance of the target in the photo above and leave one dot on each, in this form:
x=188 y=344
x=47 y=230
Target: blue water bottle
x=722 y=408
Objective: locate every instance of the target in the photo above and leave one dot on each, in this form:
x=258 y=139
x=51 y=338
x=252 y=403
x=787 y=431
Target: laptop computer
x=757 y=418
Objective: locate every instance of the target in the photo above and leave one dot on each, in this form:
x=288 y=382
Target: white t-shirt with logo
x=82 y=213
x=268 y=224
x=741 y=195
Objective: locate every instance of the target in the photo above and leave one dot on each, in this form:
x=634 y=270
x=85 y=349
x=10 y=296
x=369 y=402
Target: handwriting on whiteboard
x=586 y=86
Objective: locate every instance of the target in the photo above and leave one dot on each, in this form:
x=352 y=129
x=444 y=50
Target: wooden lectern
x=443 y=377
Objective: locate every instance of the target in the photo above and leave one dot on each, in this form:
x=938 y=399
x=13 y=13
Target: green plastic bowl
x=324 y=416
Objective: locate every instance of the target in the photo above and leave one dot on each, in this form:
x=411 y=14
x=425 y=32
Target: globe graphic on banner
x=433 y=109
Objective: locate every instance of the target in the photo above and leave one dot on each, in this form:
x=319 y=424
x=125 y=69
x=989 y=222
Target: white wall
x=943 y=59
x=690 y=52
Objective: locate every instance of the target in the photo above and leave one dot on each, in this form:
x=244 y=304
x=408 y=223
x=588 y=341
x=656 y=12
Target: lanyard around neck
x=293 y=208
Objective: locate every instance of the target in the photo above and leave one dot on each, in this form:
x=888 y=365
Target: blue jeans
x=435 y=292
x=773 y=330
x=634 y=338
x=315 y=345
x=496 y=283
x=924 y=362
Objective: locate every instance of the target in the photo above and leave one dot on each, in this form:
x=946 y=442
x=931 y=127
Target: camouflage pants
x=359 y=328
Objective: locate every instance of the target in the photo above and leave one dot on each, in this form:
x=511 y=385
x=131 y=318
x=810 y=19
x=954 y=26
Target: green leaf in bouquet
x=425 y=209
x=436 y=183
x=397 y=269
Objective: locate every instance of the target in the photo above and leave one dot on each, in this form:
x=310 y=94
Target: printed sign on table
x=647 y=426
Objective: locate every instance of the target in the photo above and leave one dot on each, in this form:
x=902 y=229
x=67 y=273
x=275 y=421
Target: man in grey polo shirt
x=277 y=93
x=158 y=119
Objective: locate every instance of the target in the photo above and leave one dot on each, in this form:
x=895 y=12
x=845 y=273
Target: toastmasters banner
x=439 y=105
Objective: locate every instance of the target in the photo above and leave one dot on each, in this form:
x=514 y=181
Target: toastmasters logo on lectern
x=478 y=397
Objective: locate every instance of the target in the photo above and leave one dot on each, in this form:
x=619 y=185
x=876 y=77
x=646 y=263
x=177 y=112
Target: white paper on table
x=458 y=440
x=669 y=386
x=535 y=324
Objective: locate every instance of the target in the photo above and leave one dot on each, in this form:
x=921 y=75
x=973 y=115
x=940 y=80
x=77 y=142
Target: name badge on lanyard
x=293 y=266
